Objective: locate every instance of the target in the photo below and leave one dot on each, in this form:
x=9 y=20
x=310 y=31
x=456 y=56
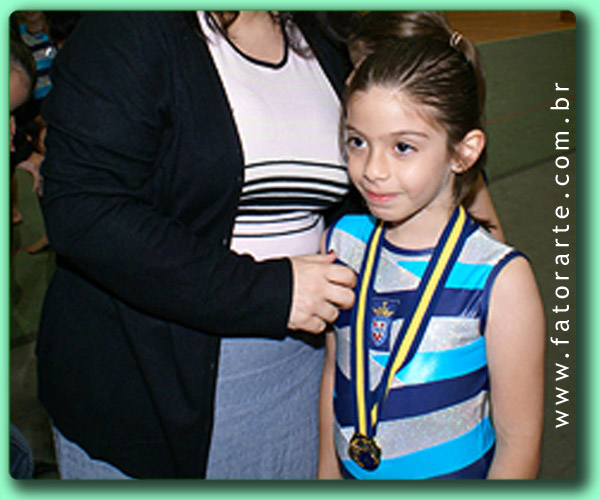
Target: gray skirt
x=266 y=410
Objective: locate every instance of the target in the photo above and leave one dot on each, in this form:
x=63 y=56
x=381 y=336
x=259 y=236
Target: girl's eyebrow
x=410 y=132
x=398 y=133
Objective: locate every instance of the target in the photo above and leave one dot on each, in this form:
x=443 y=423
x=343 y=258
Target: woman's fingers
x=320 y=289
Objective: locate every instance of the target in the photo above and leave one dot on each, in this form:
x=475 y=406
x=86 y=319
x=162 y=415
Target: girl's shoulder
x=482 y=248
x=349 y=236
x=493 y=262
x=356 y=226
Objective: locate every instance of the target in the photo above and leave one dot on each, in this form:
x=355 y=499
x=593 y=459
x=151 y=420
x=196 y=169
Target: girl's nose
x=375 y=168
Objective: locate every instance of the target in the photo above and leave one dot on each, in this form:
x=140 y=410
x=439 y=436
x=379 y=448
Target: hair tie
x=455 y=39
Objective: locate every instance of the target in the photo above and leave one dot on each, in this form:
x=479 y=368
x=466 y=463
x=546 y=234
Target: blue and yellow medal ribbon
x=367 y=404
x=360 y=373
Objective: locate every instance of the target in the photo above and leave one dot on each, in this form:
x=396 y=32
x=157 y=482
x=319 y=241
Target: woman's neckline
x=254 y=60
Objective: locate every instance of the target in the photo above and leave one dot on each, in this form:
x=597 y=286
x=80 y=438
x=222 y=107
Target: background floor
x=524 y=55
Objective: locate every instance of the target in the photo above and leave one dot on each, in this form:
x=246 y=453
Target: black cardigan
x=142 y=179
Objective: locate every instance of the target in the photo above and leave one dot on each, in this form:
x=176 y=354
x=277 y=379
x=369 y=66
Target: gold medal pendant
x=365 y=451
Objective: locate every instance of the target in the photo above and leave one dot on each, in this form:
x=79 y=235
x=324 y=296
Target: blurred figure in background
x=21 y=79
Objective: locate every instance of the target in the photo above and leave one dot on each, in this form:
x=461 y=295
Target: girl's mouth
x=379 y=198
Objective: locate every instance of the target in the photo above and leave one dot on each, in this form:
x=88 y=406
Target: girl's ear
x=468 y=151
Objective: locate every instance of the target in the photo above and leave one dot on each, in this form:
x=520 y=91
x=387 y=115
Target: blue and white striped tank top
x=435 y=422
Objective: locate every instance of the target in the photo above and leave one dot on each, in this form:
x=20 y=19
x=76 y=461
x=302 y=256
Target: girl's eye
x=403 y=148
x=354 y=142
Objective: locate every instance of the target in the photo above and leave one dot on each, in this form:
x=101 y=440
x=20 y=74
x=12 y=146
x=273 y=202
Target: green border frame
x=586 y=484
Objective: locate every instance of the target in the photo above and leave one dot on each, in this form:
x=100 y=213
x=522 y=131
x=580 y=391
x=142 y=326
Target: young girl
x=447 y=332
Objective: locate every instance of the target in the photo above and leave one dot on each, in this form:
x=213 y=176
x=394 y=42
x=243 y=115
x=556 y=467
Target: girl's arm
x=479 y=205
x=328 y=463
x=515 y=335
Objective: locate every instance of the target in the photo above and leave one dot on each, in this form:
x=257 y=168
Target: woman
x=176 y=224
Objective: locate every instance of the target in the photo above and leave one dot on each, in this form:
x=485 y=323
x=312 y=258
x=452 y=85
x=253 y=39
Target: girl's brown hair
x=418 y=53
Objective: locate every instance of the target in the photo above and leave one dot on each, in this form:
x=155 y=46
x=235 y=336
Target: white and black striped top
x=287 y=116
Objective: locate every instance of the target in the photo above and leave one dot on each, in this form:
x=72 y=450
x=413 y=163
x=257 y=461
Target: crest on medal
x=382 y=315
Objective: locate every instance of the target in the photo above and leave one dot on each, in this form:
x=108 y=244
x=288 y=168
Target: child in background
x=57 y=26
x=34 y=32
x=22 y=80
x=447 y=331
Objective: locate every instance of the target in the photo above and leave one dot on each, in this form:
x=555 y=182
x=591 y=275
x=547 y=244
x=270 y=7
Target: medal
x=364 y=451
x=363 y=448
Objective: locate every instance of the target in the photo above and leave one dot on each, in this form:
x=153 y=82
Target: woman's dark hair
x=226 y=18
x=419 y=54
x=336 y=25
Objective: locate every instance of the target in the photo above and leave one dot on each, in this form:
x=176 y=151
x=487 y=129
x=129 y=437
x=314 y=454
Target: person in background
x=22 y=75
x=21 y=80
x=59 y=25
x=33 y=29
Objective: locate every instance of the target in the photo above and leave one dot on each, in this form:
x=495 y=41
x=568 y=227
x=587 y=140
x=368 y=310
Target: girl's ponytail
x=467 y=47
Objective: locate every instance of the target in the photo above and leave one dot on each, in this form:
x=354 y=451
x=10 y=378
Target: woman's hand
x=320 y=289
